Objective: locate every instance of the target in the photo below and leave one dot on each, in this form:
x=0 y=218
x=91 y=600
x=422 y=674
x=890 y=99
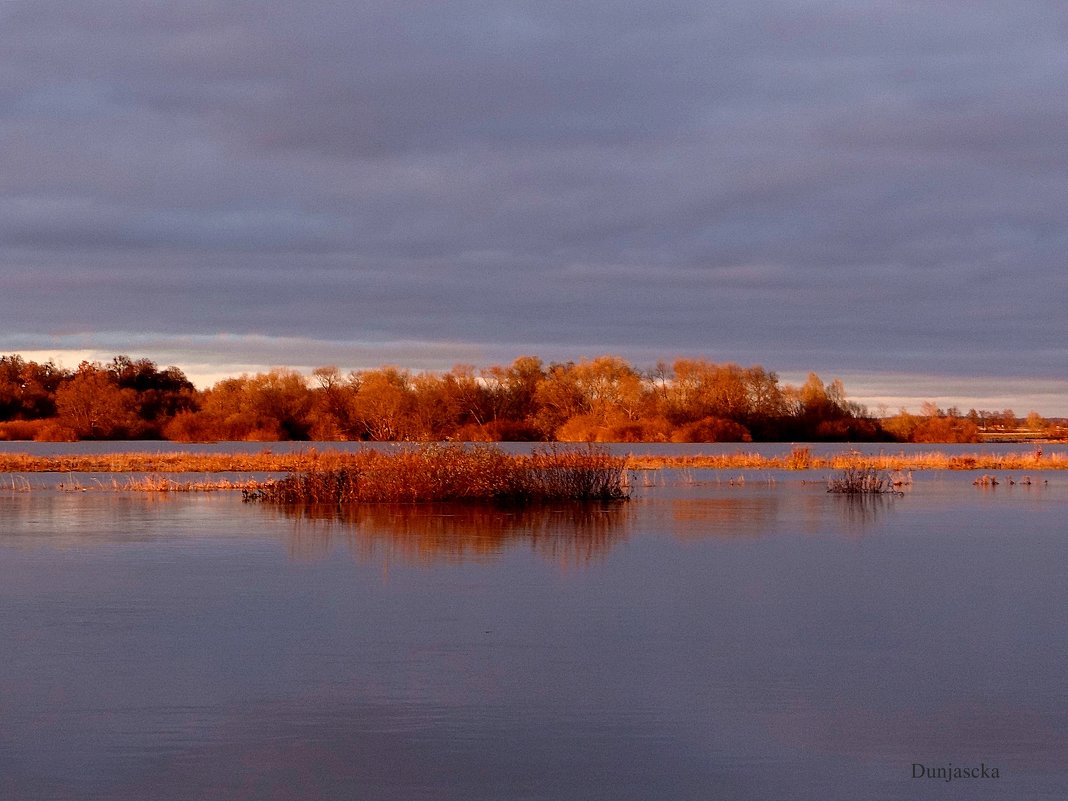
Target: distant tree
x=11 y=386
x=945 y=429
x=522 y=379
x=93 y=405
x=270 y=406
x=610 y=389
x=930 y=410
x=1008 y=419
x=699 y=389
x=1036 y=422
x=281 y=401
x=469 y=399
x=383 y=404
x=497 y=404
x=901 y=426
x=160 y=394
x=558 y=398
x=438 y=409
x=329 y=415
x=764 y=393
x=28 y=389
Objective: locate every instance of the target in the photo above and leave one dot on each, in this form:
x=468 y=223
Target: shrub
x=862 y=481
x=712 y=429
x=20 y=429
x=433 y=473
x=54 y=431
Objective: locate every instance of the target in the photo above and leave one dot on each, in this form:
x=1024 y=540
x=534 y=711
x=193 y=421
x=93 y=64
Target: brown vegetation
x=162 y=484
x=803 y=459
x=862 y=481
x=799 y=458
x=448 y=473
x=603 y=399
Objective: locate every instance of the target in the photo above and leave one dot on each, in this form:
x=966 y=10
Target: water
x=709 y=640
x=643 y=448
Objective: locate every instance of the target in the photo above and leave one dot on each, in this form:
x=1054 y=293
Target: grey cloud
x=824 y=185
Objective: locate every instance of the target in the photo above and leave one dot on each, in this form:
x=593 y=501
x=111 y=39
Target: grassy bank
x=327 y=460
x=803 y=459
x=263 y=462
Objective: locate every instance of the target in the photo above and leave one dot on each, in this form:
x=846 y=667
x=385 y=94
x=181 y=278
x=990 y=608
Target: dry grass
x=267 y=462
x=157 y=483
x=802 y=459
x=434 y=473
x=262 y=462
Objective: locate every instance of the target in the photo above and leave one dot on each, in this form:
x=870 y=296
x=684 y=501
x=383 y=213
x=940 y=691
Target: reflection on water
x=724 y=514
x=762 y=511
x=860 y=511
x=572 y=534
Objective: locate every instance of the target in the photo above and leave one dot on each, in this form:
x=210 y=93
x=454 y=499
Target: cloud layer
x=868 y=187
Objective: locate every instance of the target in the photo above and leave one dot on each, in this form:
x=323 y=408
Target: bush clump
x=433 y=473
x=862 y=481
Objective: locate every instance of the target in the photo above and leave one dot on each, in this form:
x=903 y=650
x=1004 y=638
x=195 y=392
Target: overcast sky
x=872 y=190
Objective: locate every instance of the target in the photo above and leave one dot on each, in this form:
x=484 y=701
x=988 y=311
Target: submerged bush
x=453 y=473
x=862 y=481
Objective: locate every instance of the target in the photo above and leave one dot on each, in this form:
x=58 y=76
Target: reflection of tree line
x=569 y=534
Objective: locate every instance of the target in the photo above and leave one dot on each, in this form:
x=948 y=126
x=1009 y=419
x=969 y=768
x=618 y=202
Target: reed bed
x=447 y=473
x=267 y=462
x=176 y=462
x=803 y=459
x=163 y=484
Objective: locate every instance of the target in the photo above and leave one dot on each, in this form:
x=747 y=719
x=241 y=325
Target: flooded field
x=721 y=636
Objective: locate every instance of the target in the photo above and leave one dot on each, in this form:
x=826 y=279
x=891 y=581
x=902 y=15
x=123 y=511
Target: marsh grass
x=862 y=481
x=799 y=458
x=16 y=484
x=448 y=473
x=802 y=459
x=158 y=483
x=262 y=462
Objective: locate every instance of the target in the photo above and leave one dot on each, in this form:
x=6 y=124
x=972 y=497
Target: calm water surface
x=647 y=448
x=709 y=640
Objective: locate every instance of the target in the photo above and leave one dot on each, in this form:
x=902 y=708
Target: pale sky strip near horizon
x=870 y=190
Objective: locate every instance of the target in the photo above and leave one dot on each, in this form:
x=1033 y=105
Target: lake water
x=644 y=448
x=711 y=639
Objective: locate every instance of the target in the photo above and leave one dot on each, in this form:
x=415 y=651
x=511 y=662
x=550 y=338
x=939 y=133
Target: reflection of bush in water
x=859 y=509
x=861 y=481
x=571 y=533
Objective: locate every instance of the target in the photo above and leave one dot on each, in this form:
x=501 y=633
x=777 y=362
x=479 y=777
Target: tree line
x=604 y=399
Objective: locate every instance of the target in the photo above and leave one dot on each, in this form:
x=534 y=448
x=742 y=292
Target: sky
x=875 y=191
